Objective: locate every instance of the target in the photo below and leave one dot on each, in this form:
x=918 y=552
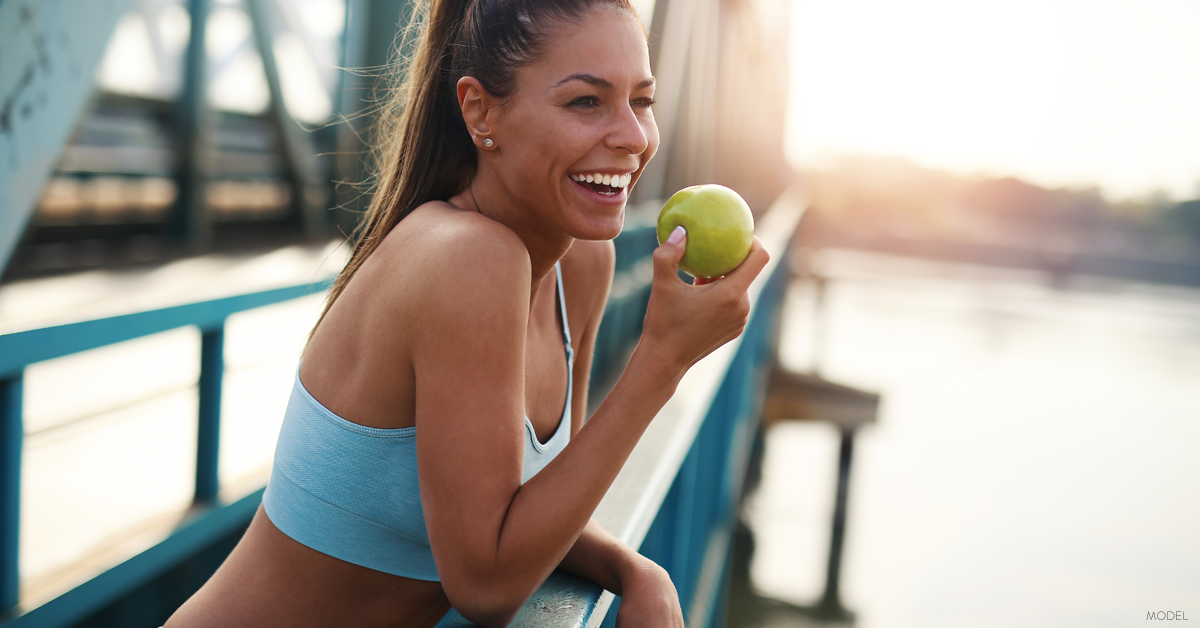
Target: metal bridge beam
x=372 y=28
x=299 y=153
x=190 y=219
x=670 y=55
x=49 y=50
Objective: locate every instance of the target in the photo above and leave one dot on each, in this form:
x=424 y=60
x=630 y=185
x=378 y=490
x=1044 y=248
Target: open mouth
x=606 y=184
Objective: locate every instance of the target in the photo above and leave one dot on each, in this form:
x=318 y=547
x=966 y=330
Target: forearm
x=550 y=513
x=566 y=492
x=648 y=596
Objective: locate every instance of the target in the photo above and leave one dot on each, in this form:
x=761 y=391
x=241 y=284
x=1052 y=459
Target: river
x=1036 y=460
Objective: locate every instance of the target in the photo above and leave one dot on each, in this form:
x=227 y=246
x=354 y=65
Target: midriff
x=270 y=579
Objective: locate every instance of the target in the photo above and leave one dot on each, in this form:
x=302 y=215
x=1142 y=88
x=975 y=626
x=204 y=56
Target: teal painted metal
x=17 y=350
x=48 y=55
x=93 y=595
x=372 y=27
x=190 y=221
x=299 y=154
x=626 y=308
x=691 y=531
x=11 y=440
x=26 y=347
x=562 y=601
x=208 y=436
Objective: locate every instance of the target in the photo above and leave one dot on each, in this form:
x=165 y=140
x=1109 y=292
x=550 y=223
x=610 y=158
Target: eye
x=644 y=102
x=585 y=102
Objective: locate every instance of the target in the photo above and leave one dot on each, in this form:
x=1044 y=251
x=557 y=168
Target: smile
x=606 y=184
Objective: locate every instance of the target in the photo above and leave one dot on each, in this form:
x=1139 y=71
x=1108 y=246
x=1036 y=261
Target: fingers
x=751 y=266
x=668 y=254
x=755 y=261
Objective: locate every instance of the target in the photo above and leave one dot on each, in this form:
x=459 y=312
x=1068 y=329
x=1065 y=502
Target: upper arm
x=587 y=277
x=468 y=363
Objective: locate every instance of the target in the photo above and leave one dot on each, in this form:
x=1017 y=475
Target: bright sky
x=1059 y=92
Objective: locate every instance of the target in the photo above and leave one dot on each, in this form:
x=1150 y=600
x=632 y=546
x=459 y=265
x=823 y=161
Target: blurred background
x=1002 y=241
x=1001 y=250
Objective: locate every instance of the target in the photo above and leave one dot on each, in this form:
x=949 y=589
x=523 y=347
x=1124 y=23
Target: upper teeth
x=614 y=180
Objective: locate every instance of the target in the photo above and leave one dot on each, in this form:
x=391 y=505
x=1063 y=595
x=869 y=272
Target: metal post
x=685 y=529
x=830 y=604
x=12 y=434
x=309 y=193
x=208 y=437
x=820 y=326
x=190 y=220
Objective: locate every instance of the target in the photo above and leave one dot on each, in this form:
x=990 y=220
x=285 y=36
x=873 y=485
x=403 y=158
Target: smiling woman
x=434 y=451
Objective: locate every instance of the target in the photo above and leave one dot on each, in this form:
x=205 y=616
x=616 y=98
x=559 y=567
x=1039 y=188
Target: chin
x=601 y=227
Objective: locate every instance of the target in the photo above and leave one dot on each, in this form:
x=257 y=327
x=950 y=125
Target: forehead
x=606 y=42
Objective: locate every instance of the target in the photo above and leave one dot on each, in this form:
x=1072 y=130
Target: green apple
x=720 y=228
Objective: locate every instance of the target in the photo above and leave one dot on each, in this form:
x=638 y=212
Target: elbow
x=489 y=614
x=488 y=617
x=490 y=603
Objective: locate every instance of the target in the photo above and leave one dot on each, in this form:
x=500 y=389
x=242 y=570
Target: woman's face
x=582 y=109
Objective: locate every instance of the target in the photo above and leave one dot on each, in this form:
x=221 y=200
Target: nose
x=629 y=133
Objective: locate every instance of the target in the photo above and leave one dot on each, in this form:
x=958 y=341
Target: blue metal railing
x=17 y=350
x=691 y=532
x=626 y=308
x=676 y=498
x=687 y=530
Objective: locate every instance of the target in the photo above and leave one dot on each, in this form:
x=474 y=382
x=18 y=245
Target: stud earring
x=488 y=143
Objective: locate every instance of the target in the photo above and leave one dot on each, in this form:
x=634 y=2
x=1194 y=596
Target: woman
x=424 y=459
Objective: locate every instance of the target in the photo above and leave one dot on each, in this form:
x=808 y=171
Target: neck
x=543 y=241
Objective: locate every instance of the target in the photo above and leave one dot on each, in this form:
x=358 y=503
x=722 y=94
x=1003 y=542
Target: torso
x=357 y=365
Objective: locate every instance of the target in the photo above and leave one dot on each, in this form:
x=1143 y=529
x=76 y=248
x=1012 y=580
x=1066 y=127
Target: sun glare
x=1066 y=92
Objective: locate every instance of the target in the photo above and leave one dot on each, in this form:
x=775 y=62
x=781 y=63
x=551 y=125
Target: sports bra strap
x=562 y=306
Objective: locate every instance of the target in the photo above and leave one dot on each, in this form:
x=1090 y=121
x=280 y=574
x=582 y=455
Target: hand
x=685 y=323
x=649 y=599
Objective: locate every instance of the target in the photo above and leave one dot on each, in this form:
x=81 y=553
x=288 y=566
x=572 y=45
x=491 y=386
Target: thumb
x=668 y=254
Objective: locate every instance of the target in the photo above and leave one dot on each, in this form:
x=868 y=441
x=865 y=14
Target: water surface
x=1036 y=460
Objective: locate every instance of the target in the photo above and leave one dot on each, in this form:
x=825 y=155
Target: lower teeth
x=604 y=189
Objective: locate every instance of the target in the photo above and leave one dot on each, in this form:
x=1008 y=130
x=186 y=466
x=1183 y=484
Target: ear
x=475 y=103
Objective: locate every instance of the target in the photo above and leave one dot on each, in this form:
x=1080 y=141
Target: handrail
x=213 y=520
x=674 y=507
x=19 y=349
x=663 y=501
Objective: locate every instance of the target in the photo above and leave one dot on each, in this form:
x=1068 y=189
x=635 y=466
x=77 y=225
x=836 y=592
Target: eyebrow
x=602 y=83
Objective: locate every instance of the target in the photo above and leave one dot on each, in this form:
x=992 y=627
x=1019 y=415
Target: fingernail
x=677 y=235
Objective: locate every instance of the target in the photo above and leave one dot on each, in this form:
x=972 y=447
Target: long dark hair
x=422 y=150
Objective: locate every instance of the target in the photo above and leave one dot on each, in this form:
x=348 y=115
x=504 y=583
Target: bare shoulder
x=441 y=237
x=439 y=252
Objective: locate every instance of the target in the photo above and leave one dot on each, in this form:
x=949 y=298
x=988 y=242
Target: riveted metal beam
x=49 y=50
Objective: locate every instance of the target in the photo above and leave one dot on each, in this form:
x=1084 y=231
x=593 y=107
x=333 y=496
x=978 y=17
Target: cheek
x=650 y=128
x=578 y=136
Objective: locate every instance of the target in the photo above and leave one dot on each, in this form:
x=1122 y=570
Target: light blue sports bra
x=352 y=492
